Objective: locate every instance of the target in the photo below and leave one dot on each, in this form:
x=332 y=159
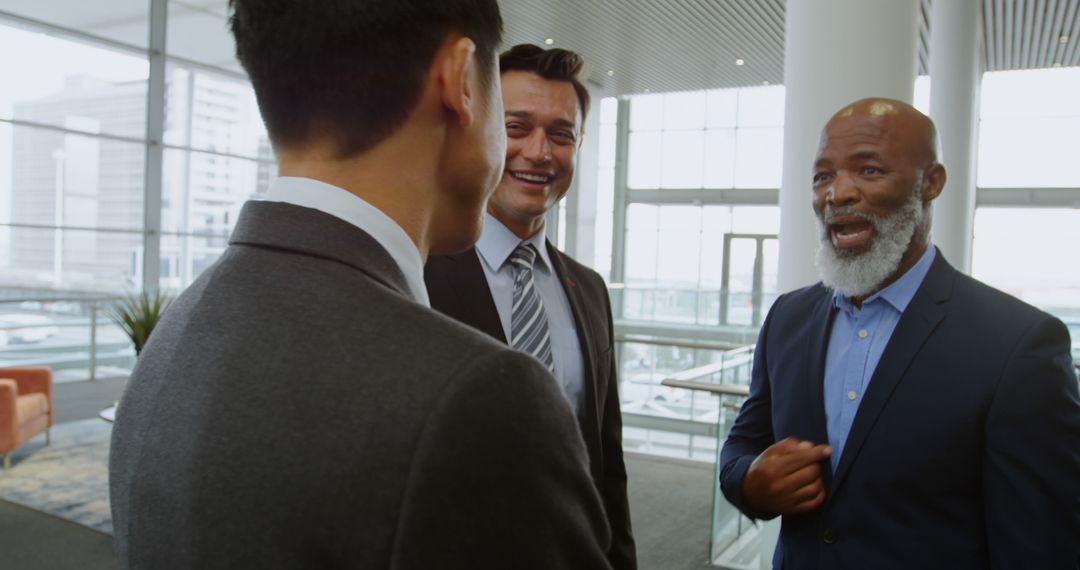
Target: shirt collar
x=900 y=293
x=497 y=242
x=345 y=205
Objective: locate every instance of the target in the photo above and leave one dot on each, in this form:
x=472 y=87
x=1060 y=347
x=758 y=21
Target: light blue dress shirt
x=856 y=343
x=495 y=246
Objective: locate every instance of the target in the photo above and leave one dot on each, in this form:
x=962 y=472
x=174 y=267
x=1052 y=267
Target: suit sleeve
x=752 y=431
x=623 y=555
x=1031 y=465
x=500 y=477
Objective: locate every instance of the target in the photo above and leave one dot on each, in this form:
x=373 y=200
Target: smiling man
x=902 y=414
x=516 y=287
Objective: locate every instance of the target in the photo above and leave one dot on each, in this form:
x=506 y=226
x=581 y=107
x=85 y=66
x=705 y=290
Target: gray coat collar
x=305 y=231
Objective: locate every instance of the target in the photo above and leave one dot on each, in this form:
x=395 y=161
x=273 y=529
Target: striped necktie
x=528 y=322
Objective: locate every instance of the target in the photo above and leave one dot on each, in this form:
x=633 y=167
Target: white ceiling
x=656 y=45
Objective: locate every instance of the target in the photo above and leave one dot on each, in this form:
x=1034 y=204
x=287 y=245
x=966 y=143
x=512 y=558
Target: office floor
x=670 y=499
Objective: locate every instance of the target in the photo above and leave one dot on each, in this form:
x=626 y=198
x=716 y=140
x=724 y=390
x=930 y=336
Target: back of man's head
x=350 y=71
x=555 y=64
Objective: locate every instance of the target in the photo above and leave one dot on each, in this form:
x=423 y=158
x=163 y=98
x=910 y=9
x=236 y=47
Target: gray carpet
x=68 y=478
x=670 y=499
x=33 y=540
x=671 y=510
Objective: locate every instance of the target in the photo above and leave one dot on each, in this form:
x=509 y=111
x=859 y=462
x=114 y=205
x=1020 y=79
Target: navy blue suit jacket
x=964 y=453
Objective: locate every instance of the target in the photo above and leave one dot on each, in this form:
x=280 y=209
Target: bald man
x=902 y=414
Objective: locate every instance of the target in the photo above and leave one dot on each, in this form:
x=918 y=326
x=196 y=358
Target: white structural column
x=580 y=201
x=836 y=51
x=954 y=106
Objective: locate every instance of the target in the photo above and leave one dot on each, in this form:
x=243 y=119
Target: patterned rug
x=68 y=478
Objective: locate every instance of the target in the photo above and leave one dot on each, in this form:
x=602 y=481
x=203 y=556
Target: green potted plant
x=138 y=314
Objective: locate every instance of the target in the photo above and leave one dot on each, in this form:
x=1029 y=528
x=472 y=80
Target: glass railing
x=733 y=538
x=735 y=307
x=68 y=332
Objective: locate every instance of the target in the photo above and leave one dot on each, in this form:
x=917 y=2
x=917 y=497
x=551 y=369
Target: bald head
x=907 y=129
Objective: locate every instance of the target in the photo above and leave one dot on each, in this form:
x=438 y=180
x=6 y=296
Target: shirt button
x=829 y=536
x=863 y=333
x=851 y=395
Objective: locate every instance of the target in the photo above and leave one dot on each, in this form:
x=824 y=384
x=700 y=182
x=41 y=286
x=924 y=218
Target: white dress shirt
x=494 y=248
x=345 y=205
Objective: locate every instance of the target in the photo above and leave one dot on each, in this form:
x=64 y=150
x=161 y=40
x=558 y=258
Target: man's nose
x=844 y=191
x=537 y=148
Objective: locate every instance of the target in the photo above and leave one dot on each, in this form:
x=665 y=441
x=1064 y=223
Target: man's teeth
x=841 y=235
x=537 y=178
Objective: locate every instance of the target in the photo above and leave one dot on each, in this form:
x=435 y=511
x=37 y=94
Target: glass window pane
x=203 y=192
x=1030 y=93
x=720 y=158
x=646 y=112
x=755 y=220
x=200 y=32
x=759 y=157
x=644 y=162
x=761 y=106
x=214 y=112
x=83 y=260
x=683 y=162
x=62 y=179
x=1029 y=152
x=740 y=299
x=680 y=242
x=684 y=110
x=1030 y=253
x=641 y=220
x=185 y=257
x=71 y=84
x=722 y=106
x=125 y=21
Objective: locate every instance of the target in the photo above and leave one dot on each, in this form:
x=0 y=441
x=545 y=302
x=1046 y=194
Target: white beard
x=861 y=274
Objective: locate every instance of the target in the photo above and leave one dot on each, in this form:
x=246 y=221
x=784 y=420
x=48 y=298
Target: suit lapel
x=469 y=283
x=919 y=320
x=585 y=338
x=816 y=348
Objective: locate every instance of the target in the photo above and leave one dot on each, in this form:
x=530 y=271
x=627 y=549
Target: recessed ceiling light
x=766 y=82
x=647 y=90
x=1064 y=39
x=1057 y=64
x=549 y=41
x=739 y=62
x=610 y=72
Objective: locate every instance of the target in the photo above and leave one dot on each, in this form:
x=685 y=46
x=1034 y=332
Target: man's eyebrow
x=822 y=162
x=865 y=155
x=519 y=114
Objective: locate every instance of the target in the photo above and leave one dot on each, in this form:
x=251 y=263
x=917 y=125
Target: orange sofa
x=26 y=407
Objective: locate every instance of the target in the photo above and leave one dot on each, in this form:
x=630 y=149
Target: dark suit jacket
x=965 y=451
x=458 y=287
x=295 y=409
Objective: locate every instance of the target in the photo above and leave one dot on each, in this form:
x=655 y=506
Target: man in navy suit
x=902 y=414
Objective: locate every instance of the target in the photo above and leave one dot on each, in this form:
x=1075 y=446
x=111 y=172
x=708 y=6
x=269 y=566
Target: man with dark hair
x=902 y=414
x=300 y=405
x=516 y=287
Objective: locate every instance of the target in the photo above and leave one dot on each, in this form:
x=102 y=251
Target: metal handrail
x=92 y=302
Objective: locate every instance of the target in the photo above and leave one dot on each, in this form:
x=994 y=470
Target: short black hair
x=350 y=69
x=555 y=63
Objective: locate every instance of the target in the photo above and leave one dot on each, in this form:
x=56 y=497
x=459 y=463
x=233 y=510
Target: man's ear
x=457 y=76
x=933 y=181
